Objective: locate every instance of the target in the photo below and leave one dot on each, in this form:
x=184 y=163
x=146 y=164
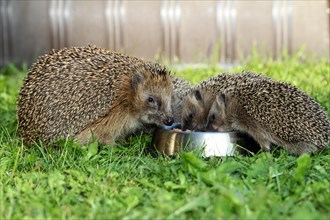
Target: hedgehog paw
x=265 y=145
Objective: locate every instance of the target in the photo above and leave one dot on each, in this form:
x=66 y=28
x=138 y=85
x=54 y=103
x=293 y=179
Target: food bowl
x=219 y=144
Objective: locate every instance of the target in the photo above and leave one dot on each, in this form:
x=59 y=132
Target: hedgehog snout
x=184 y=126
x=168 y=120
x=200 y=127
x=166 y=114
x=209 y=127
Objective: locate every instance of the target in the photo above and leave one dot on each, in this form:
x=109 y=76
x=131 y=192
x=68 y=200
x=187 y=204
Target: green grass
x=74 y=181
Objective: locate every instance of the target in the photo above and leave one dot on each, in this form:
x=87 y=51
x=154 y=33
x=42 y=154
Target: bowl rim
x=196 y=132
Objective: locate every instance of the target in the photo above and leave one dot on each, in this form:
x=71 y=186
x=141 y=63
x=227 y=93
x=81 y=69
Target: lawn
x=74 y=181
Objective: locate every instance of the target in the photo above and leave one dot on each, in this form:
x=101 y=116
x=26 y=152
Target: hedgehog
x=89 y=93
x=181 y=87
x=272 y=113
x=197 y=103
x=195 y=109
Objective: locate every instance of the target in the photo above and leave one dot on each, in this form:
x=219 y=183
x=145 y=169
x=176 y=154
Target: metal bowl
x=210 y=143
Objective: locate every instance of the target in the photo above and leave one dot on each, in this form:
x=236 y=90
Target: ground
x=74 y=181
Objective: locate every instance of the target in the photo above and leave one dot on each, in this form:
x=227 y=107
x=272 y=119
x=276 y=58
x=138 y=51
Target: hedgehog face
x=218 y=118
x=194 y=112
x=153 y=99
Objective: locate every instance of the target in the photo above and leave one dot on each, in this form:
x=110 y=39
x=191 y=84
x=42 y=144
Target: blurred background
x=224 y=31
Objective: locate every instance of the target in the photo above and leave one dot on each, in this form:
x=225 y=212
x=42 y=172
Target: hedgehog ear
x=137 y=79
x=222 y=99
x=198 y=95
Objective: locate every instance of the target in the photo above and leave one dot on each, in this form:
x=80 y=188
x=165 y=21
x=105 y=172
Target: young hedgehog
x=272 y=113
x=181 y=87
x=88 y=92
x=197 y=104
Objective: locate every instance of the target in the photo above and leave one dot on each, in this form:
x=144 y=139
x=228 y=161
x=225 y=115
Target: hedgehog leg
x=89 y=135
x=302 y=147
x=308 y=147
x=86 y=139
x=264 y=144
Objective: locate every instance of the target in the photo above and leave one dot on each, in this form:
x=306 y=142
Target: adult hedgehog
x=90 y=93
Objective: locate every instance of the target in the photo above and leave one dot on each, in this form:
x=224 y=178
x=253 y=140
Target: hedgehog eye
x=190 y=116
x=151 y=100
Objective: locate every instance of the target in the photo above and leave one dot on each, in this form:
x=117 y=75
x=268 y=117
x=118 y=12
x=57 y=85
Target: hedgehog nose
x=168 y=121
